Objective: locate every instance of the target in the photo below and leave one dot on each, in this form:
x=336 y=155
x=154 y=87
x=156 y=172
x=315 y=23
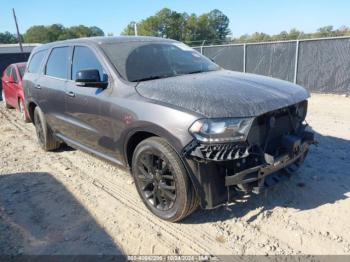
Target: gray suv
x=190 y=132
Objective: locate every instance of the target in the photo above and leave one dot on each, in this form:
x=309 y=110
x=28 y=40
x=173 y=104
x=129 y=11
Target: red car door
x=6 y=84
x=13 y=87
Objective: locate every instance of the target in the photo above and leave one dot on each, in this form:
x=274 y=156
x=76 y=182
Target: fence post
x=244 y=57
x=296 y=62
x=202 y=46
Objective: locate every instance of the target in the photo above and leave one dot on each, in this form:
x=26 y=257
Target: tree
x=96 y=31
x=7 y=38
x=219 y=23
x=191 y=29
x=46 y=34
x=54 y=31
x=183 y=27
x=326 y=31
x=37 y=34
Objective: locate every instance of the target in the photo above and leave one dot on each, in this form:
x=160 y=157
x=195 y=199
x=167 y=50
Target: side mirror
x=90 y=78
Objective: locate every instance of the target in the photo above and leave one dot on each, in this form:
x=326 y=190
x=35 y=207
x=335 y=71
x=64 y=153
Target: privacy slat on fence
x=323 y=64
x=275 y=60
x=227 y=56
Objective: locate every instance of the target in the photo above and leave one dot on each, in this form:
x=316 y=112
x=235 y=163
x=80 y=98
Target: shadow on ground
x=39 y=216
x=323 y=179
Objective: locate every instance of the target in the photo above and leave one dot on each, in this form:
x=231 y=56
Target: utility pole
x=18 y=34
x=135 y=28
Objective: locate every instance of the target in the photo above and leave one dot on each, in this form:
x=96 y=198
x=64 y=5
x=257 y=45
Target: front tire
x=44 y=134
x=162 y=181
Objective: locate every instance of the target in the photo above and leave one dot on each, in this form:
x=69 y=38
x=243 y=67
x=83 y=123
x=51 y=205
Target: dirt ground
x=68 y=202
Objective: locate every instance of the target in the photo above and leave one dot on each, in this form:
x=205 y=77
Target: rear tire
x=4 y=100
x=162 y=180
x=44 y=134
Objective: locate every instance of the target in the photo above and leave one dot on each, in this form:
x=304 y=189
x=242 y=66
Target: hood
x=224 y=93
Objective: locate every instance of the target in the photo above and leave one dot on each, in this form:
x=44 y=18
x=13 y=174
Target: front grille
x=268 y=129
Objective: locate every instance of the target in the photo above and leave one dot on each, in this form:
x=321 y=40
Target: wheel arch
x=137 y=135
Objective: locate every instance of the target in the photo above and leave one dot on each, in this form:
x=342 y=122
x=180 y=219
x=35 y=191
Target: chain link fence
x=320 y=65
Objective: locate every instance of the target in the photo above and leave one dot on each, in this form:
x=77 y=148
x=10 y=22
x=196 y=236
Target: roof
x=109 y=40
x=14 y=48
x=20 y=64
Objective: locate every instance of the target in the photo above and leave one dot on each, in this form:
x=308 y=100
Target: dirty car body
x=230 y=130
x=258 y=129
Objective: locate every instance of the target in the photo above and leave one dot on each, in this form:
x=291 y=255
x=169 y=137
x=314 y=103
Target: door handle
x=37 y=86
x=71 y=94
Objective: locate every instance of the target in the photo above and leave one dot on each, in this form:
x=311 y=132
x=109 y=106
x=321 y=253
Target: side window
x=35 y=61
x=83 y=59
x=57 y=64
x=21 y=70
x=8 y=71
x=14 y=74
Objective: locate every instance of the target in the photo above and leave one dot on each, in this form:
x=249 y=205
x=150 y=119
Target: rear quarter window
x=8 y=71
x=21 y=70
x=36 y=61
x=14 y=74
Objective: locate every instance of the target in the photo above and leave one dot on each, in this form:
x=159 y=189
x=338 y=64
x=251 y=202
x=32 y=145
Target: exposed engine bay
x=276 y=140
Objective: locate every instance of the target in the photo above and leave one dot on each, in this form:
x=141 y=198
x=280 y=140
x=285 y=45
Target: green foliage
x=326 y=31
x=183 y=27
x=46 y=34
x=7 y=38
x=210 y=28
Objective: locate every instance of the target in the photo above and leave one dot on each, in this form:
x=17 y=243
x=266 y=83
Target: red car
x=12 y=91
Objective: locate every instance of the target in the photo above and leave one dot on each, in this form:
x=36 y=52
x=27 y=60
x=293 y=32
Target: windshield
x=141 y=61
x=22 y=69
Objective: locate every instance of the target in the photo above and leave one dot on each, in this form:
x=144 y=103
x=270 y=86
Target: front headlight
x=221 y=130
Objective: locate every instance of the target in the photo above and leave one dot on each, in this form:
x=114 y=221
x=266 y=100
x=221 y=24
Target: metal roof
x=14 y=48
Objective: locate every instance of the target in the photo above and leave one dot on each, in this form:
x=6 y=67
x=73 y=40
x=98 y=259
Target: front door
x=84 y=104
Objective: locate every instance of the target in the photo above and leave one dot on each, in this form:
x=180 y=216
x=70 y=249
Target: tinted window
x=140 y=61
x=8 y=71
x=57 y=65
x=14 y=74
x=35 y=61
x=83 y=59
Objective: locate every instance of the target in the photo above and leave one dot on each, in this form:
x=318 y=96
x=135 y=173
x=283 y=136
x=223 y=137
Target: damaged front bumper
x=218 y=171
x=271 y=166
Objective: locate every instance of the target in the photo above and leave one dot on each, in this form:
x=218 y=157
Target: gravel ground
x=68 y=202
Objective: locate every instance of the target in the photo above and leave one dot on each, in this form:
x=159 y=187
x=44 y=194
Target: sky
x=246 y=16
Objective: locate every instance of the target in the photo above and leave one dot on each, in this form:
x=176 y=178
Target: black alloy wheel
x=156 y=178
x=162 y=180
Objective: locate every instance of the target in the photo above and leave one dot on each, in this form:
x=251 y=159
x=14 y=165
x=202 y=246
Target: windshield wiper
x=196 y=72
x=151 y=78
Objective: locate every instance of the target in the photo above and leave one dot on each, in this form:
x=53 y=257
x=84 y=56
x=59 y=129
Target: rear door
x=31 y=87
x=53 y=87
